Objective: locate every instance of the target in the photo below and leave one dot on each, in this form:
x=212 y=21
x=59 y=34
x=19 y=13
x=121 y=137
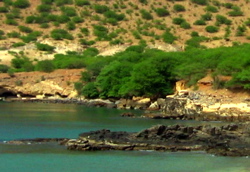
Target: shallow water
x=35 y=120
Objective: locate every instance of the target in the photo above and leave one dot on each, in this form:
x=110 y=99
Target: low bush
x=77 y=19
x=45 y=66
x=101 y=8
x=44 y=47
x=63 y=2
x=207 y=17
x=21 y=4
x=4 y=10
x=168 y=37
x=4 y=68
x=11 y=22
x=212 y=9
x=200 y=22
x=178 y=20
x=200 y=2
x=179 y=8
x=146 y=15
x=18 y=44
x=44 y=8
x=82 y=2
x=162 y=12
x=25 y=29
x=60 y=34
x=13 y=34
x=211 y=29
x=185 y=25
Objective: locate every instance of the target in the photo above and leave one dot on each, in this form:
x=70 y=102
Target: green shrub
x=4 y=10
x=90 y=91
x=82 y=2
x=178 y=20
x=7 y=2
x=179 y=8
x=68 y=11
x=15 y=12
x=48 y=2
x=143 y=2
x=200 y=2
x=22 y=64
x=116 y=42
x=85 y=31
x=44 y=47
x=168 y=37
x=113 y=14
x=31 y=36
x=60 y=34
x=228 y=5
x=63 y=18
x=101 y=32
x=85 y=42
x=1 y=33
x=25 y=29
x=43 y=8
x=101 y=8
x=207 y=16
x=161 y=12
x=235 y=13
x=146 y=15
x=185 y=25
x=21 y=4
x=44 y=25
x=69 y=61
x=18 y=44
x=30 y=19
x=45 y=66
x=11 y=22
x=223 y=20
x=13 y=34
x=241 y=30
x=71 y=25
x=194 y=34
x=77 y=19
x=4 y=68
x=195 y=41
x=212 y=9
x=211 y=29
x=63 y=2
x=200 y=22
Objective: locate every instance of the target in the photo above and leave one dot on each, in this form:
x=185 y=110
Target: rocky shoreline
x=227 y=140
x=181 y=107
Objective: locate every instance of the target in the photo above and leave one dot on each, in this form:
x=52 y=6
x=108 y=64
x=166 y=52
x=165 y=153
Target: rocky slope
x=142 y=22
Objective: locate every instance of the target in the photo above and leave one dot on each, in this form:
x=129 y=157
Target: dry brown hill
x=104 y=24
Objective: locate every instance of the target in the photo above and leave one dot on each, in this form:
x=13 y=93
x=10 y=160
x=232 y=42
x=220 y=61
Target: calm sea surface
x=31 y=120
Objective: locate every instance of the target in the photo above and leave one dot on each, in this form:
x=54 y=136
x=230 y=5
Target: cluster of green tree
x=148 y=72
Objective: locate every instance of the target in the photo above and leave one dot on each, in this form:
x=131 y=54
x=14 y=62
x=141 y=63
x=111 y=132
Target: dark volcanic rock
x=229 y=140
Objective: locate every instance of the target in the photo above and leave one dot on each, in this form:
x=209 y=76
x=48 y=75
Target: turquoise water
x=20 y=120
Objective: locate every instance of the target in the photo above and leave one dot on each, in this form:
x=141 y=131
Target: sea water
x=38 y=120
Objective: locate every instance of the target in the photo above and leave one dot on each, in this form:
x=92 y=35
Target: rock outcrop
x=39 y=84
x=228 y=140
x=194 y=106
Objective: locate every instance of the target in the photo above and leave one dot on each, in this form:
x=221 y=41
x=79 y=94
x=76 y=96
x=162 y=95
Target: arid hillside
x=41 y=28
